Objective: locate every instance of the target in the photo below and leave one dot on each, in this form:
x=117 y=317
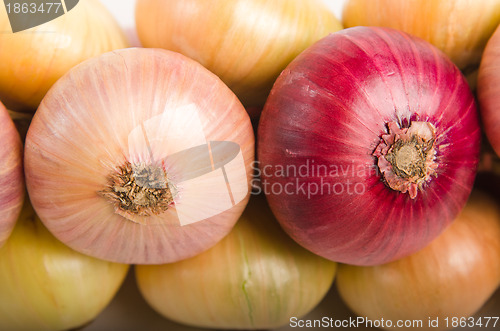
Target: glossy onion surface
x=325 y=130
x=247 y=43
x=139 y=156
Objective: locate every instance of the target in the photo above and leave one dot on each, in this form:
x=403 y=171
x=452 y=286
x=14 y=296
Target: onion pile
x=31 y=61
x=44 y=285
x=460 y=28
x=139 y=156
x=488 y=91
x=449 y=280
x=368 y=145
x=255 y=278
x=11 y=175
x=369 y=141
x=247 y=43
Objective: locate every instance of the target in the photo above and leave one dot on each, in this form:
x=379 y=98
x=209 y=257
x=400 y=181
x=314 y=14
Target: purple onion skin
x=329 y=107
x=11 y=175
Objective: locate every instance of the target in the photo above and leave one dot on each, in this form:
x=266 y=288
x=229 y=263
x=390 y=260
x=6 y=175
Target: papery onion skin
x=488 y=93
x=78 y=140
x=247 y=43
x=460 y=28
x=44 y=285
x=255 y=278
x=452 y=277
x=11 y=175
x=32 y=61
x=330 y=108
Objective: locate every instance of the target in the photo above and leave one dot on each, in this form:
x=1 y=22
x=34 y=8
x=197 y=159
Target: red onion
x=11 y=175
x=369 y=144
x=487 y=90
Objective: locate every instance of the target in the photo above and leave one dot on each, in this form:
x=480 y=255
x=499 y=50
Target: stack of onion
x=460 y=28
x=245 y=42
x=11 y=175
x=450 y=278
x=32 y=60
x=255 y=278
x=488 y=91
x=139 y=156
x=44 y=285
x=368 y=143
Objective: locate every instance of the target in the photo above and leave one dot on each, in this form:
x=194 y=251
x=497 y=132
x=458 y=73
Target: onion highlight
x=368 y=145
x=11 y=175
x=139 y=156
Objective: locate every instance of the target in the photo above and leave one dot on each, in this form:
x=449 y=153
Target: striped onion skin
x=327 y=113
x=133 y=106
x=45 y=285
x=247 y=43
x=255 y=278
x=11 y=175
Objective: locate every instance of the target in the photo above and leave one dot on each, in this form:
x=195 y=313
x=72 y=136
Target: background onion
x=460 y=28
x=452 y=277
x=255 y=278
x=338 y=106
x=11 y=175
x=44 y=285
x=247 y=43
x=100 y=165
x=487 y=90
x=31 y=61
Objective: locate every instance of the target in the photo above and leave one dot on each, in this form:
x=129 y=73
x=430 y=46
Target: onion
x=149 y=162
x=247 y=43
x=460 y=28
x=255 y=278
x=44 y=285
x=487 y=91
x=11 y=175
x=31 y=61
x=451 y=278
x=368 y=145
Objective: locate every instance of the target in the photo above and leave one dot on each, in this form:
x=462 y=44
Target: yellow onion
x=11 y=175
x=139 y=156
x=255 y=278
x=488 y=93
x=247 y=43
x=447 y=281
x=44 y=285
x=460 y=28
x=32 y=60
